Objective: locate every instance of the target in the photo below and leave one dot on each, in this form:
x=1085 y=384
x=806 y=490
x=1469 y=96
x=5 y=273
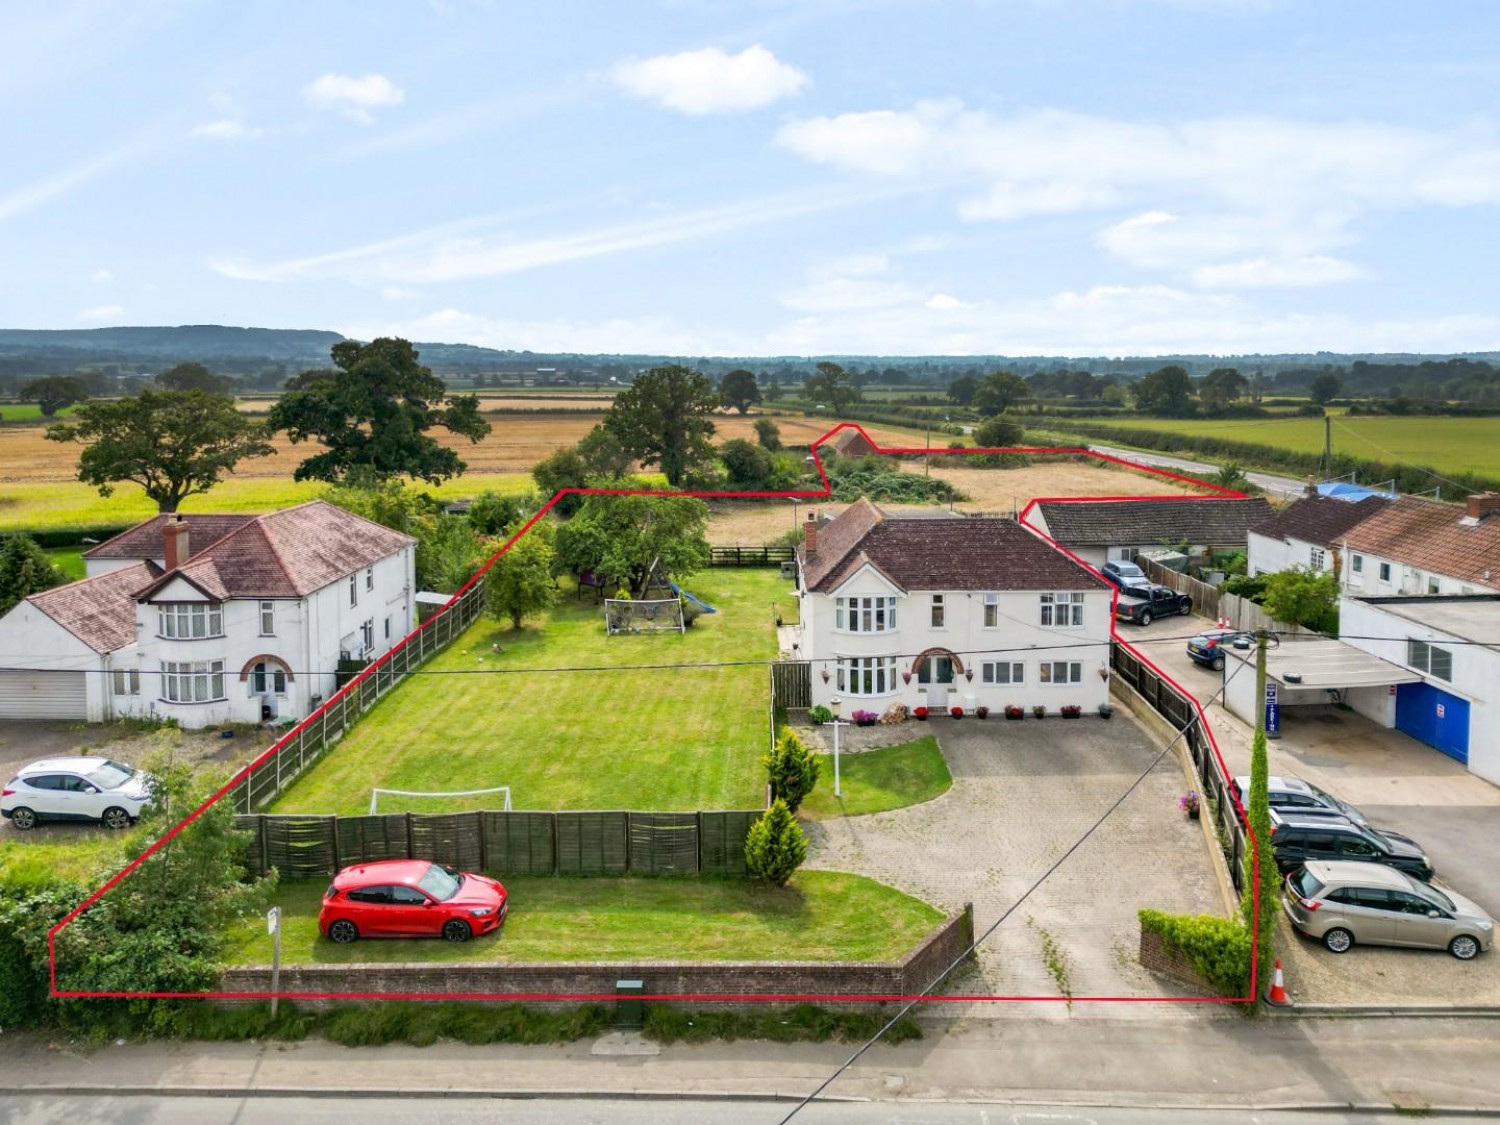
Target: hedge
x=49 y=538
x=1219 y=948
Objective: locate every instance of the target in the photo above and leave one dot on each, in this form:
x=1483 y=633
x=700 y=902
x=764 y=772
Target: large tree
x=1167 y=392
x=1222 y=386
x=174 y=444
x=194 y=377
x=739 y=389
x=520 y=582
x=25 y=569
x=619 y=537
x=1324 y=388
x=54 y=392
x=962 y=390
x=831 y=386
x=663 y=418
x=372 y=412
x=999 y=392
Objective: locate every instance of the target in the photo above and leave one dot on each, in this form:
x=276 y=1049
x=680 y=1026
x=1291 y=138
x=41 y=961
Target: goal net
x=622 y=615
x=458 y=800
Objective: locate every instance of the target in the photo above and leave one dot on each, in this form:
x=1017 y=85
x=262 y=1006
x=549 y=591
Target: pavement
x=1024 y=793
x=1274 y=485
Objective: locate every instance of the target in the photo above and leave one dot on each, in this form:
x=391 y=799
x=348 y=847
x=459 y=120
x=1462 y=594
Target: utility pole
x=927 y=458
x=1327 y=446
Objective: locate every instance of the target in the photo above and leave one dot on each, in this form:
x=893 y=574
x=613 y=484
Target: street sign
x=1273 y=711
x=273 y=919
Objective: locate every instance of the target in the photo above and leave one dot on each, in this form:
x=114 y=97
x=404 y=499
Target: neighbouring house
x=1414 y=546
x=1308 y=533
x=850 y=442
x=942 y=613
x=210 y=619
x=1447 y=645
x=1099 y=530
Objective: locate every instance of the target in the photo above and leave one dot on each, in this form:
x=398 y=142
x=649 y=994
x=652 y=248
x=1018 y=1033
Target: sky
x=809 y=177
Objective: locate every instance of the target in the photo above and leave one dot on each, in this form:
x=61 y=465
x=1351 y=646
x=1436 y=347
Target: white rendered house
x=210 y=619
x=942 y=613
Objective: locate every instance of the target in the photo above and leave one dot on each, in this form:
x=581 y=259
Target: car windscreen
x=1328 y=798
x=1129 y=570
x=1305 y=883
x=440 y=883
x=111 y=775
x=1378 y=840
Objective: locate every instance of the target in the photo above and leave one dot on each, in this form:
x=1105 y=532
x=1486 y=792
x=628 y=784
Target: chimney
x=1310 y=488
x=1483 y=504
x=810 y=534
x=175 y=532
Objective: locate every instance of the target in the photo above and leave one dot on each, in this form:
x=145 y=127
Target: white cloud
x=399 y=293
x=1255 y=273
x=354 y=97
x=227 y=129
x=944 y=301
x=103 y=276
x=101 y=312
x=710 y=81
x=835 y=294
x=48 y=188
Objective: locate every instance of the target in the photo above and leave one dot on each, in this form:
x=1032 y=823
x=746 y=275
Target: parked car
x=1295 y=840
x=111 y=793
x=1140 y=605
x=1344 y=904
x=1124 y=574
x=410 y=898
x=1206 y=648
x=1293 y=795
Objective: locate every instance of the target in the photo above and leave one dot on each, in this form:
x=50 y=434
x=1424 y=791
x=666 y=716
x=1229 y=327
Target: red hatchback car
x=410 y=898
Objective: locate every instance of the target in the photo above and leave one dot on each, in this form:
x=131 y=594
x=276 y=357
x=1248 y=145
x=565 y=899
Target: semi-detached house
x=210 y=619
x=948 y=612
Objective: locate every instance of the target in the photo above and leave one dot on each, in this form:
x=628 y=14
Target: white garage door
x=43 y=695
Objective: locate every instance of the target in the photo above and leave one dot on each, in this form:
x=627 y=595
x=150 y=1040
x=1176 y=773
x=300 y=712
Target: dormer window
x=189 y=621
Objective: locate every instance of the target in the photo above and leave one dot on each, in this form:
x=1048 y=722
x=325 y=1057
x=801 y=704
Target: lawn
x=556 y=712
x=818 y=916
x=69 y=560
x=33 y=859
x=876 y=780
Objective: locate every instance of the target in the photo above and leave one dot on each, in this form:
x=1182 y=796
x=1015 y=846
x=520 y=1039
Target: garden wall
x=740 y=983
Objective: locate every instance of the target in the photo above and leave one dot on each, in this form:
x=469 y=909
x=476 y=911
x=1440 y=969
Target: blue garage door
x=1435 y=717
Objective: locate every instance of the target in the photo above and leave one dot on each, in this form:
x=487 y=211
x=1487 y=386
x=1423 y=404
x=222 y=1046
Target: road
x=1273 y=485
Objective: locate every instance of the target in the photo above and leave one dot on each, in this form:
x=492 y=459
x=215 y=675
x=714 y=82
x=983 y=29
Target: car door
x=373 y=911
x=51 y=796
x=1370 y=914
x=1358 y=849
x=412 y=912
x=1415 y=924
x=80 y=797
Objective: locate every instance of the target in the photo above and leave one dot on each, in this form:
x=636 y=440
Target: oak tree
x=664 y=418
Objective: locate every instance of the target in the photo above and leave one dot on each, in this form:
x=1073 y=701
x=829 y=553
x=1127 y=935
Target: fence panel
x=663 y=843
x=364 y=839
x=453 y=839
x=300 y=847
x=721 y=841
x=593 y=843
x=750 y=556
x=791 y=684
x=519 y=843
x=1205 y=597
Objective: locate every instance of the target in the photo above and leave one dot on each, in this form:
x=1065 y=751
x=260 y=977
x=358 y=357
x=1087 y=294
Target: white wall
x=1403 y=579
x=32 y=640
x=1268 y=555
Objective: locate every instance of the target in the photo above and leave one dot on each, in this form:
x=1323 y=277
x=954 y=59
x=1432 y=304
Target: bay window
x=864 y=615
x=866 y=675
x=200 y=681
x=189 y=621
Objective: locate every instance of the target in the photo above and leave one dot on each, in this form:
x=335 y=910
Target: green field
x=30 y=412
x=545 y=711
x=1446 y=444
x=818 y=916
x=876 y=780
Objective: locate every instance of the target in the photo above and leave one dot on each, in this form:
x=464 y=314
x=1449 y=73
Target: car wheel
x=1464 y=947
x=456 y=930
x=115 y=818
x=23 y=819
x=1146 y=618
x=1187 y=608
x=1217 y=664
x=1338 y=941
x=343 y=931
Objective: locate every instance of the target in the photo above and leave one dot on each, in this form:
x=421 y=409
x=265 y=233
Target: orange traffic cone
x=1277 y=995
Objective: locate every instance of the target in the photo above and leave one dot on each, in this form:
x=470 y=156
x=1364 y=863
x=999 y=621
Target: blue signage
x=1273 y=711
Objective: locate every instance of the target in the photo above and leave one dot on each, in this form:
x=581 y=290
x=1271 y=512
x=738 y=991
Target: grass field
x=1446 y=444
x=818 y=916
x=69 y=560
x=543 y=711
x=876 y=780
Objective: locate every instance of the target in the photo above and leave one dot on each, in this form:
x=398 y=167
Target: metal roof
x=1326 y=663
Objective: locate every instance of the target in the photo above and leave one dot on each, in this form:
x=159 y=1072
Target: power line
x=1011 y=909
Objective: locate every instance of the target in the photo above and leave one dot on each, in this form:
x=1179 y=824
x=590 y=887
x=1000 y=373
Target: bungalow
x=1307 y=533
x=1417 y=547
x=943 y=613
x=210 y=619
x=1099 y=530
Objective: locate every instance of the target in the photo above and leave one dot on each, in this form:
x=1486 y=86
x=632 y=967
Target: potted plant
x=1070 y=711
x=1014 y=711
x=865 y=718
x=1188 y=803
x=956 y=712
x=1039 y=711
x=920 y=714
x=981 y=712
x=1106 y=709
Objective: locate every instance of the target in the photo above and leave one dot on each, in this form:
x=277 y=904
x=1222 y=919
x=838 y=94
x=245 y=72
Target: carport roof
x=1326 y=663
x=1470 y=617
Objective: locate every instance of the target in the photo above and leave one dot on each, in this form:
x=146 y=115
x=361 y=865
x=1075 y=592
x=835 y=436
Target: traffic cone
x=1277 y=995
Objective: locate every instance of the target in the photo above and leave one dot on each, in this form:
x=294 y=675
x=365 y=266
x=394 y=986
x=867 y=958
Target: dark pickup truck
x=1141 y=605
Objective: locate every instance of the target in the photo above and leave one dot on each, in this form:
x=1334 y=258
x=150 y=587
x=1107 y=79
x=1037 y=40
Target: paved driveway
x=1023 y=794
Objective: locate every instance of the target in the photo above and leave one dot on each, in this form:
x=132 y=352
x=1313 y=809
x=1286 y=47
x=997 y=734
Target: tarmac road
x=1275 y=486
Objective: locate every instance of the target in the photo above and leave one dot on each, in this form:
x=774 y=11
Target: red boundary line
x=244 y=774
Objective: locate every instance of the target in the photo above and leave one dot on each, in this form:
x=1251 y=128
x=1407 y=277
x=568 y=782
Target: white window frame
x=939 y=611
x=267 y=619
x=990 y=673
x=196 y=681
x=1357 y=564
x=869 y=614
x=1063 y=610
x=353 y=590
x=1072 y=671
x=127 y=681
x=1317 y=557
x=1420 y=654
x=1385 y=572
x=189 y=621
x=991 y=611
x=367 y=636
x=369 y=578
x=272 y=674
x=856 y=673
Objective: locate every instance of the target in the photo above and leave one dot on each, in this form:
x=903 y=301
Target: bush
x=865 y=718
x=803 y=1023
x=791 y=769
x=775 y=845
x=956 y=712
x=982 y=712
x=819 y=715
x=1039 y=711
x=1218 y=948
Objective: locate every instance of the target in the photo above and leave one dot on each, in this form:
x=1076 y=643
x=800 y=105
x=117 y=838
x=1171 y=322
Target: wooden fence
x=750 y=556
x=516 y=843
x=310 y=739
x=1213 y=786
x=1242 y=613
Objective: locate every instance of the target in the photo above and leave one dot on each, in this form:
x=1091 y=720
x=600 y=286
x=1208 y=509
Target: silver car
x=1342 y=904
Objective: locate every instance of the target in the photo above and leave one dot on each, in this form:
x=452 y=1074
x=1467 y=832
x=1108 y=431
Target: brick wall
x=739 y=983
x=1160 y=957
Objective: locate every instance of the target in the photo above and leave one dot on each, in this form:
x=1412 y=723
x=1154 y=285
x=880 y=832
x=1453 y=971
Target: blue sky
x=1071 y=177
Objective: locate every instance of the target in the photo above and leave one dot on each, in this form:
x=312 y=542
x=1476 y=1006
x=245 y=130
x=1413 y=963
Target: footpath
x=1209 y=1059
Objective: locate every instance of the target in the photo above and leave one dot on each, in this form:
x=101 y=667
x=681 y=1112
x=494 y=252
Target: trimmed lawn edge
x=891 y=777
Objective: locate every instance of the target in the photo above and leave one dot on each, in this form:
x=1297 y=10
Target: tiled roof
x=288 y=553
x=1212 y=521
x=1431 y=535
x=1319 y=519
x=100 y=611
x=957 y=554
x=145 y=541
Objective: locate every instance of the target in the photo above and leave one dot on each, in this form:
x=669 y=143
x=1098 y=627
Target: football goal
x=458 y=800
x=628 y=615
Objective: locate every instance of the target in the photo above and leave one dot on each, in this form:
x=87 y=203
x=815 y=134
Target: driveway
x=1023 y=794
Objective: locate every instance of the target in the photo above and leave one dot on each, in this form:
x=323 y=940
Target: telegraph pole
x=1327 y=446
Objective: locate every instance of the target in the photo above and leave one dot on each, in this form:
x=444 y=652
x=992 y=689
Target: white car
x=94 y=789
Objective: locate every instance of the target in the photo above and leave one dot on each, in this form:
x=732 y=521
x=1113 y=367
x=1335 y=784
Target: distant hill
x=200 y=342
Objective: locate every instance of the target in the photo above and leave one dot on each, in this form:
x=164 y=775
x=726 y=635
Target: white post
x=836 y=701
x=273 y=923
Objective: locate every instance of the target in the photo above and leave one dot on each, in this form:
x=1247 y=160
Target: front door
x=936 y=674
